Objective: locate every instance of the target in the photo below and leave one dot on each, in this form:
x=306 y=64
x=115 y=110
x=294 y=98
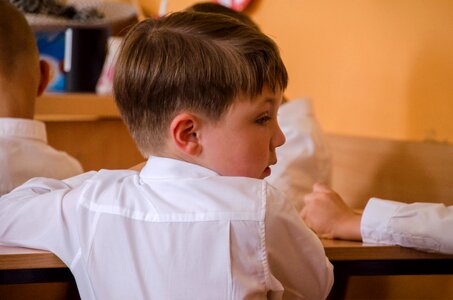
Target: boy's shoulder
x=252 y=194
x=216 y=197
x=104 y=175
x=107 y=181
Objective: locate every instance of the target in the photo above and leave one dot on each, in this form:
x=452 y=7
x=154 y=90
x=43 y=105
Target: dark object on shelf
x=85 y=52
x=55 y=9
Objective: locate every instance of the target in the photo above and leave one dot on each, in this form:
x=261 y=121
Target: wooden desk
x=337 y=250
x=21 y=265
x=358 y=259
x=16 y=258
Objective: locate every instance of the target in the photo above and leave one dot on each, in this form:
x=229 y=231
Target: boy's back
x=24 y=152
x=199 y=94
x=174 y=231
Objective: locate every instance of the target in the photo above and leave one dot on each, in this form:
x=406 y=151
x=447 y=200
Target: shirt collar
x=23 y=128
x=162 y=167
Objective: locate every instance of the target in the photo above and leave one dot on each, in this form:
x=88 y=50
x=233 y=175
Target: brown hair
x=194 y=62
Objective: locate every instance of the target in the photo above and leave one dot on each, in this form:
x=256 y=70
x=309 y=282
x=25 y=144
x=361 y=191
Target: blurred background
x=374 y=68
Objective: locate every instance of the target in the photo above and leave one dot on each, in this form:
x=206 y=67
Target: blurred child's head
x=183 y=79
x=216 y=8
x=212 y=7
x=21 y=74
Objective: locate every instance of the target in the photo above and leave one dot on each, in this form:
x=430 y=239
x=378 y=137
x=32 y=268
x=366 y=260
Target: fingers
x=310 y=203
x=303 y=213
x=321 y=188
x=308 y=198
x=319 y=191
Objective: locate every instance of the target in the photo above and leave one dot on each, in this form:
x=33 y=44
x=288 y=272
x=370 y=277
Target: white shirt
x=24 y=154
x=304 y=159
x=173 y=231
x=425 y=226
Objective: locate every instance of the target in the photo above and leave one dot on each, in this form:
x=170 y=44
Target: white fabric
x=424 y=226
x=24 y=154
x=304 y=159
x=173 y=231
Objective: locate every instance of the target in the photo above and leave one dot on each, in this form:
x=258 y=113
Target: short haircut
x=17 y=41
x=216 y=8
x=193 y=62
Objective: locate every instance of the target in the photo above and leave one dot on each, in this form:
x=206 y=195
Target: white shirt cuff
x=375 y=220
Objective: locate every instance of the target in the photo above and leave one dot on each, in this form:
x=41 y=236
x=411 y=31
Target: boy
x=199 y=94
x=24 y=152
x=304 y=159
x=425 y=226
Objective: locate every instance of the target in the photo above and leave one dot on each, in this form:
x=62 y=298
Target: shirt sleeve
x=41 y=214
x=424 y=226
x=296 y=256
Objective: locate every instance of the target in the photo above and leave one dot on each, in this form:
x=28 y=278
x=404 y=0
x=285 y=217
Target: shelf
x=75 y=107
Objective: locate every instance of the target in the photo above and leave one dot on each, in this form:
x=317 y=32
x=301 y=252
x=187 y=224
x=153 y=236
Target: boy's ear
x=185 y=133
x=44 y=76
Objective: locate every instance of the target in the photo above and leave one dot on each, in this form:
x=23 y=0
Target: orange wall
x=377 y=68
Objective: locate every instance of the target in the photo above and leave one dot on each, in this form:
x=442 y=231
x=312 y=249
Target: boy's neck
x=15 y=104
x=168 y=152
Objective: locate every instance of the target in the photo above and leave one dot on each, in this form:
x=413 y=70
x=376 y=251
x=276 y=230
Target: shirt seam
x=175 y=217
x=230 y=273
x=264 y=258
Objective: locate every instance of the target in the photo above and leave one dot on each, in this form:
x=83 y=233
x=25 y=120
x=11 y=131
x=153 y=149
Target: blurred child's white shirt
x=24 y=154
x=425 y=226
x=304 y=159
x=173 y=231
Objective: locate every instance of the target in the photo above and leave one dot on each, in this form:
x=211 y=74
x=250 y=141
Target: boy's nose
x=279 y=137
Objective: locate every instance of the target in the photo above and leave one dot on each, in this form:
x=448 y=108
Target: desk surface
x=12 y=258
x=22 y=258
x=337 y=250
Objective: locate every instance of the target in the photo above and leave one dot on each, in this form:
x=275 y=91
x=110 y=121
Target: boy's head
x=180 y=76
x=216 y=8
x=22 y=76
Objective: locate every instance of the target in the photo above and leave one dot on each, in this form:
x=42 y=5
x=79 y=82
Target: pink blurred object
x=105 y=83
x=238 y=5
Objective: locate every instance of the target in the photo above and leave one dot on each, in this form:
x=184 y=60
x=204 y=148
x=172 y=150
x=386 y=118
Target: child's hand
x=329 y=216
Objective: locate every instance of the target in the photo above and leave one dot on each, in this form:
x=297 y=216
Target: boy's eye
x=263 y=120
